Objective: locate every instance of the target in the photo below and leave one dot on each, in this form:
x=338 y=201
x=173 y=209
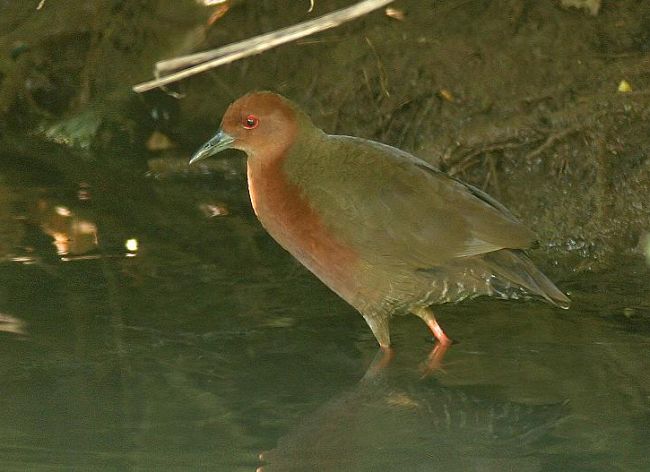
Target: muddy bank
x=520 y=98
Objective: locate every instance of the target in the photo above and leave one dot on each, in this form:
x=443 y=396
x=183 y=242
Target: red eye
x=250 y=122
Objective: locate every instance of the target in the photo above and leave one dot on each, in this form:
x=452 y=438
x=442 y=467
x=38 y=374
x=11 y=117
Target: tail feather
x=514 y=267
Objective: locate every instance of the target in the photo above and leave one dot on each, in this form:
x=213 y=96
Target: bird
x=388 y=232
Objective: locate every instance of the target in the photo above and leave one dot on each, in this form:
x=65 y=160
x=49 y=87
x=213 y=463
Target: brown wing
x=396 y=209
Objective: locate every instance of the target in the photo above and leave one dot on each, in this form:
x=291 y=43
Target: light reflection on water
x=212 y=345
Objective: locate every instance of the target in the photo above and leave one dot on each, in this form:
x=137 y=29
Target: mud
x=520 y=97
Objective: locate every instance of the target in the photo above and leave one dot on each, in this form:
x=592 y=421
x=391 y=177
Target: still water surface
x=150 y=324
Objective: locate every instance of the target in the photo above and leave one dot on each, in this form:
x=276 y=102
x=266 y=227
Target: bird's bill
x=218 y=143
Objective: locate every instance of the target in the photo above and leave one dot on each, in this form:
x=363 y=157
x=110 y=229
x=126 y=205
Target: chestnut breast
x=283 y=210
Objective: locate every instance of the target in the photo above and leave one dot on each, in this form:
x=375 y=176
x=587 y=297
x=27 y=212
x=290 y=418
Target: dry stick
x=270 y=40
x=200 y=62
x=550 y=141
x=383 y=81
x=468 y=160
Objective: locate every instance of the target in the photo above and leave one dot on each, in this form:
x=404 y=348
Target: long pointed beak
x=218 y=143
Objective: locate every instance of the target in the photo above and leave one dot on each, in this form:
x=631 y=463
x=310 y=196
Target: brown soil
x=519 y=97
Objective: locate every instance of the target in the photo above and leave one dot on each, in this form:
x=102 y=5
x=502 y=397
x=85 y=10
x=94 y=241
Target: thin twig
x=203 y=61
x=468 y=160
x=550 y=141
x=383 y=81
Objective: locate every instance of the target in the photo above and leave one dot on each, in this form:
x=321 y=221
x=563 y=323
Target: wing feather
x=397 y=208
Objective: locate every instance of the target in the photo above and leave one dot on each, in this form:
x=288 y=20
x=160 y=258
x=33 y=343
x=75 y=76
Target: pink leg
x=437 y=331
x=434 y=361
x=427 y=316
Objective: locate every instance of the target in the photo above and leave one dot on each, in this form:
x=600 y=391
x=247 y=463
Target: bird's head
x=260 y=124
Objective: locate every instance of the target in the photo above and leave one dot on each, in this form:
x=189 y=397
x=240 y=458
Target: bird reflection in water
x=388 y=423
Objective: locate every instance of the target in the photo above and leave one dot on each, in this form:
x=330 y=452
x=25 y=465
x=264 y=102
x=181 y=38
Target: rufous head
x=261 y=124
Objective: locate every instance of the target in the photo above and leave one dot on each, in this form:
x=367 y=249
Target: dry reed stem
x=200 y=62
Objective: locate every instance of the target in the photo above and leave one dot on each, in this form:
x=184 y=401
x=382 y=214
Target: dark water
x=207 y=345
